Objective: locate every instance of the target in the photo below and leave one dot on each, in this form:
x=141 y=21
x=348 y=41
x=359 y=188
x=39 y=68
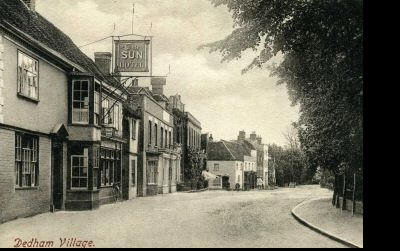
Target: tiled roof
x=248 y=146
x=16 y=14
x=226 y=151
x=238 y=150
x=218 y=151
x=135 y=89
x=160 y=98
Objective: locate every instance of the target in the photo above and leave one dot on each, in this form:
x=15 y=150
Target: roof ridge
x=223 y=142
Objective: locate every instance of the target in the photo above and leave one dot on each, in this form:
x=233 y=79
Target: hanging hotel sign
x=132 y=55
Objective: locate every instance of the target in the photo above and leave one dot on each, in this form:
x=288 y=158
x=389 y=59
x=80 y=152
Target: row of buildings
x=239 y=164
x=70 y=130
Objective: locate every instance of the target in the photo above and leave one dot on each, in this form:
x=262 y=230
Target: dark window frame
x=19 y=91
x=26 y=158
x=76 y=101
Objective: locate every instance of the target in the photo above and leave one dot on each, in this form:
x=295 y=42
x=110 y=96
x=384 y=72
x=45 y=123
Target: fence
x=348 y=188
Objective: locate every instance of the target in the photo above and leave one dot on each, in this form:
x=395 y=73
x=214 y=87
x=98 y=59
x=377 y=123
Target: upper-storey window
x=162 y=137
x=106 y=111
x=169 y=140
x=80 y=101
x=111 y=113
x=28 y=76
x=116 y=117
x=133 y=131
x=150 y=135
x=166 y=138
x=155 y=135
x=97 y=97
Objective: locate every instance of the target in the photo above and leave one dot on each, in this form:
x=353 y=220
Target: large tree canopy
x=321 y=43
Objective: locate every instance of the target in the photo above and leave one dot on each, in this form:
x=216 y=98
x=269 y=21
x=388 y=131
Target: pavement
x=341 y=225
x=207 y=219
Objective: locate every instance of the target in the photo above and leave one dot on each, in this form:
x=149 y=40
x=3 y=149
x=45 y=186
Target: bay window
x=80 y=101
x=79 y=170
x=28 y=76
x=26 y=161
x=96 y=165
x=97 y=97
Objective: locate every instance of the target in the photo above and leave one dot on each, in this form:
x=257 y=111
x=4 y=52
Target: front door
x=225 y=182
x=57 y=172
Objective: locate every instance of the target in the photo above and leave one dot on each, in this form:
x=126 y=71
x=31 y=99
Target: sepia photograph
x=181 y=123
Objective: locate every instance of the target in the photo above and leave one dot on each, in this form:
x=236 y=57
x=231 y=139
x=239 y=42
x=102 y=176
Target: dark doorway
x=225 y=182
x=57 y=153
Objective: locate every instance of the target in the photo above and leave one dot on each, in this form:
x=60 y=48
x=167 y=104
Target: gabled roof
x=15 y=15
x=226 y=151
x=218 y=151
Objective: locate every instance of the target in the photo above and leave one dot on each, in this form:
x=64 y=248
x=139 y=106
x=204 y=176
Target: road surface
x=207 y=219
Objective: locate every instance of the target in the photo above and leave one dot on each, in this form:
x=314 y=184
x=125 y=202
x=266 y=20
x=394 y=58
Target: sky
x=223 y=99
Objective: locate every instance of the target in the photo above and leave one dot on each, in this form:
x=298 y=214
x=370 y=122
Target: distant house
x=234 y=163
x=262 y=156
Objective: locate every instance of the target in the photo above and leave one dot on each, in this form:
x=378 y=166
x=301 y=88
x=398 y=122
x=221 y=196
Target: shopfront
x=110 y=171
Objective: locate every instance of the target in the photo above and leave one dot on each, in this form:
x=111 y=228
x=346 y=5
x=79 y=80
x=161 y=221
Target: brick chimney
x=242 y=136
x=253 y=136
x=30 y=3
x=157 y=85
x=259 y=140
x=103 y=62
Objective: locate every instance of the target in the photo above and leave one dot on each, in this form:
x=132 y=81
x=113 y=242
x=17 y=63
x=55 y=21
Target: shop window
x=79 y=170
x=26 y=161
x=80 y=101
x=110 y=165
x=96 y=165
x=28 y=76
